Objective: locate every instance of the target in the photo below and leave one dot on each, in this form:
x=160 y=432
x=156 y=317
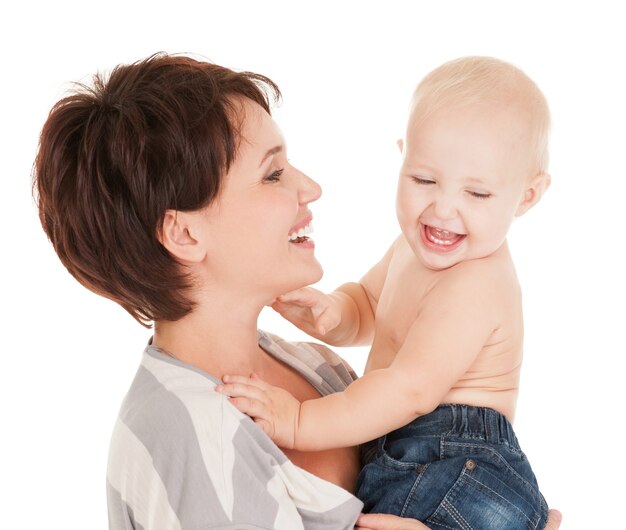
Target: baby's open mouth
x=441 y=236
x=440 y=239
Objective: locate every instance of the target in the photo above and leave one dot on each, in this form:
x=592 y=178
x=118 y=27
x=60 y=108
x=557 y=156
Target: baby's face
x=464 y=177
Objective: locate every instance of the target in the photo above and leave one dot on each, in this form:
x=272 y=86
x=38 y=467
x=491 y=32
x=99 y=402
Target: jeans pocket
x=511 y=465
x=487 y=495
x=409 y=453
x=384 y=488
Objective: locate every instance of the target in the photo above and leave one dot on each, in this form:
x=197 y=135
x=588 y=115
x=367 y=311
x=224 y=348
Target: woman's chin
x=307 y=275
x=319 y=272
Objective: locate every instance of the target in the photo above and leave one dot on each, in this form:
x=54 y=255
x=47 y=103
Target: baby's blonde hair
x=486 y=80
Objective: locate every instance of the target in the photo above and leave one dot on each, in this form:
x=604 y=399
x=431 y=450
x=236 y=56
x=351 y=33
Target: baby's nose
x=445 y=207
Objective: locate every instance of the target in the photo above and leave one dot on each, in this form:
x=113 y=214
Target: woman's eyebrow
x=271 y=152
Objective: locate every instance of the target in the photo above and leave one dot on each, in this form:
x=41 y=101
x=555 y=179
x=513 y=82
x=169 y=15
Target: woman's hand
x=383 y=521
x=312 y=311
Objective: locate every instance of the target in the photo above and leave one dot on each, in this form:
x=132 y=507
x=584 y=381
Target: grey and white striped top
x=182 y=457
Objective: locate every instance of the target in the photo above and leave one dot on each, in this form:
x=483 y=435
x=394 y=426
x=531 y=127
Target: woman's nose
x=308 y=189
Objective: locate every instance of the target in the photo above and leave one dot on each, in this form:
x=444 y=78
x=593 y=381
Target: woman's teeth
x=301 y=234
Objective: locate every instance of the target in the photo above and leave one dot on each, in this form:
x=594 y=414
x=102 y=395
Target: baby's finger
x=242 y=390
x=265 y=425
x=326 y=322
x=252 y=407
x=252 y=380
x=299 y=296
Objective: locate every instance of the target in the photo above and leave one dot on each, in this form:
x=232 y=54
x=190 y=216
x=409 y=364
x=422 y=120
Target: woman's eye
x=274 y=176
x=478 y=194
x=422 y=180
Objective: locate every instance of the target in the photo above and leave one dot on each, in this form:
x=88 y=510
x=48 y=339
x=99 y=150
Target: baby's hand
x=311 y=310
x=272 y=408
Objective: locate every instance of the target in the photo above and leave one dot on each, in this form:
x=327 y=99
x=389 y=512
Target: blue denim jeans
x=459 y=467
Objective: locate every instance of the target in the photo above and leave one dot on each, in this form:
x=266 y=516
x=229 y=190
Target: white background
x=346 y=71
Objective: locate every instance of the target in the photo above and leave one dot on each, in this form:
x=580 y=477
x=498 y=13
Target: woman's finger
x=554 y=520
x=383 y=521
x=380 y=521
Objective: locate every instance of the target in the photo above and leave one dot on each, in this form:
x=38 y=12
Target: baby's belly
x=503 y=400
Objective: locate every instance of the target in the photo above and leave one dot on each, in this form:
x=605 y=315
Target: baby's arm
x=344 y=317
x=441 y=345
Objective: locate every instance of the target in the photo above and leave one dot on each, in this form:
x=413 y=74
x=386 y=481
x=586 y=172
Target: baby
x=443 y=313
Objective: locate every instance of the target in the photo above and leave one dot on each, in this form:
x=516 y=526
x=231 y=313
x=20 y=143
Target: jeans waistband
x=463 y=420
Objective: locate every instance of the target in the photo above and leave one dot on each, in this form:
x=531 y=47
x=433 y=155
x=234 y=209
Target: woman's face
x=253 y=248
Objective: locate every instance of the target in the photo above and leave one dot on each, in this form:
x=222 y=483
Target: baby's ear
x=400 y=143
x=533 y=193
x=178 y=236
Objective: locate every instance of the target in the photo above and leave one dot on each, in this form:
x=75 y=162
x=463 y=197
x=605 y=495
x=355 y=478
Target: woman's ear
x=533 y=193
x=178 y=236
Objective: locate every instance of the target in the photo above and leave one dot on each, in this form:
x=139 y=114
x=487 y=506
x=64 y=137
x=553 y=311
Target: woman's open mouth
x=301 y=235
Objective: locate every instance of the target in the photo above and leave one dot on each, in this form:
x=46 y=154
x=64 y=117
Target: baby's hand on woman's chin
x=311 y=310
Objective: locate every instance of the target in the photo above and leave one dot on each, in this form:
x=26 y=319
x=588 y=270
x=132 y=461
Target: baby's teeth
x=301 y=232
x=441 y=241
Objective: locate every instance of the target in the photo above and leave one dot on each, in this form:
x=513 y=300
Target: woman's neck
x=217 y=339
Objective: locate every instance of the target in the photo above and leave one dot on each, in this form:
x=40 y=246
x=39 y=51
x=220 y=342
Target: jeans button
x=420 y=468
x=470 y=464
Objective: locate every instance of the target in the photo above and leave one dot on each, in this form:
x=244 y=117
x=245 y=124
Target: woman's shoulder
x=320 y=365
x=172 y=405
x=176 y=435
x=167 y=405
x=173 y=417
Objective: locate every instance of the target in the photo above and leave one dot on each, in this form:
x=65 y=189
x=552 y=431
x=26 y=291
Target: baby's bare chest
x=399 y=305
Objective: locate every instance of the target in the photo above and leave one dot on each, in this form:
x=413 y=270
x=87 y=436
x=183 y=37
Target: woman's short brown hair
x=113 y=157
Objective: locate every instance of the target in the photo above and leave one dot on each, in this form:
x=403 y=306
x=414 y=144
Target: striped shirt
x=182 y=457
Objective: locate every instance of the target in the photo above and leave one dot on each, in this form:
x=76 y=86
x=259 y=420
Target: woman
x=167 y=189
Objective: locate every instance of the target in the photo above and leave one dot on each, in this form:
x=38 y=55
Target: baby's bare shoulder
x=491 y=277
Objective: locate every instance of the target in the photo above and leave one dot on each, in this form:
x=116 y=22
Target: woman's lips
x=440 y=239
x=299 y=233
x=301 y=225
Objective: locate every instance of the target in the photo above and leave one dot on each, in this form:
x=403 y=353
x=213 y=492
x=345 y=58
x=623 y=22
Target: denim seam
x=527 y=485
x=483 y=438
x=456 y=515
x=445 y=504
x=410 y=495
x=444 y=525
x=397 y=464
x=469 y=476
